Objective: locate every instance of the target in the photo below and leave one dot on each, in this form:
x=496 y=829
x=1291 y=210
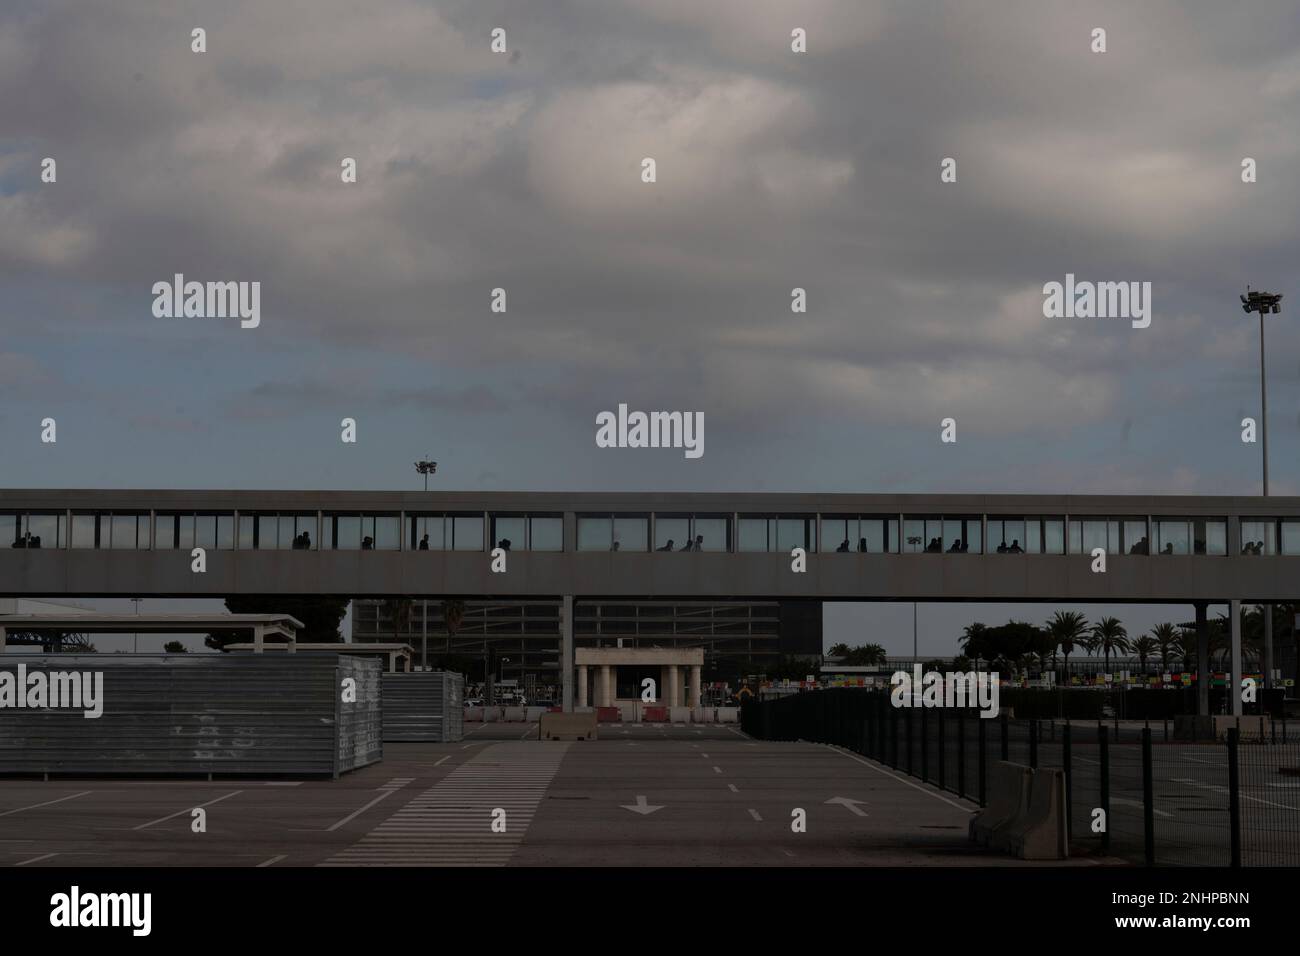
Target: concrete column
x=674 y=686
x=694 y=698
x=566 y=654
x=661 y=698
x=1234 y=679
x=582 y=685
x=1202 y=660
x=259 y=639
x=3 y=638
x=606 y=688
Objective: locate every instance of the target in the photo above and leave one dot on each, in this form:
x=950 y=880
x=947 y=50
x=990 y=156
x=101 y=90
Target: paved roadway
x=722 y=799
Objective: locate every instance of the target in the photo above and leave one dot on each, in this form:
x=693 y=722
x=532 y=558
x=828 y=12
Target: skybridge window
x=528 y=532
x=961 y=534
x=1029 y=535
x=1113 y=535
x=776 y=533
x=1191 y=536
x=859 y=534
x=1290 y=537
x=615 y=532
x=33 y=530
x=362 y=532
x=1259 y=536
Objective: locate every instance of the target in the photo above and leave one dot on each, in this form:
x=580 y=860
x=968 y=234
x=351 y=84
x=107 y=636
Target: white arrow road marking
x=641 y=806
x=850 y=803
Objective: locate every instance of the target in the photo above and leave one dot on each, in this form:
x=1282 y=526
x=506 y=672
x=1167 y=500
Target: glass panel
x=46 y=531
x=838 y=533
x=246 y=523
x=124 y=528
x=1210 y=537
x=671 y=533
x=347 y=532
x=508 y=533
x=632 y=534
x=1173 y=536
x=226 y=532
x=1258 y=537
x=268 y=532
x=185 y=540
x=83 y=531
x=793 y=533
x=1053 y=536
x=954 y=537
x=1135 y=537
x=545 y=534
x=871 y=537
x=752 y=534
x=595 y=534
x=934 y=535
x=1007 y=535
x=914 y=539
x=1290 y=537
x=1076 y=537
x=10 y=536
x=205 y=531
x=973 y=535
x=467 y=533
x=286 y=533
x=427 y=533
x=711 y=534
x=1094 y=536
x=388 y=533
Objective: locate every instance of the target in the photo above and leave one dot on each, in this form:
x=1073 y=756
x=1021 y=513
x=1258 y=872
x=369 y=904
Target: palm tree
x=1143 y=647
x=1165 y=635
x=1067 y=628
x=399 y=609
x=973 y=642
x=838 y=650
x=1109 y=634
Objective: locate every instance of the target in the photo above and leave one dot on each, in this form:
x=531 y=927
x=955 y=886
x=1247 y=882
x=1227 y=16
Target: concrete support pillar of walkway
x=3 y=638
x=259 y=639
x=694 y=698
x=582 y=685
x=1268 y=645
x=674 y=686
x=1234 y=679
x=606 y=688
x=1202 y=660
x=566 y=654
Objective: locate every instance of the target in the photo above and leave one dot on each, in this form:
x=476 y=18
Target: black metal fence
x=1132 y=789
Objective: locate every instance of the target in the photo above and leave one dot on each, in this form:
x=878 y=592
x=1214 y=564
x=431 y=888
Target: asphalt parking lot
x=641 y=795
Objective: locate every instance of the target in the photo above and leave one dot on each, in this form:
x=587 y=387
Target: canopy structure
x=90 y=622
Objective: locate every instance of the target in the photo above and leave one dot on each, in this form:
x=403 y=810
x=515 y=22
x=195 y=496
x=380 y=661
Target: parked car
x=473 y=701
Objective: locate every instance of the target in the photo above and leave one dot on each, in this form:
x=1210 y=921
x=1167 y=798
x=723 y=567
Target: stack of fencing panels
x=188 y=714
x=424 y=705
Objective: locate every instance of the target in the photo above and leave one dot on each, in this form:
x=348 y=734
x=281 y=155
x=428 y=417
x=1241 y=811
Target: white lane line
x=914 y=786
x=732 y=788
x=442 y=760
x=705 y=756
x=36 y=859
x=532 y=729
x=47 y=803
x=283 y=783
x=737 y=732
x=717 y=770
x=352 y=816
x=754 y=814
x=271 y=862
x=233 y=793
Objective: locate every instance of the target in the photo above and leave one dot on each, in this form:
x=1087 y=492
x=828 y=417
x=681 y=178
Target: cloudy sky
x=776 y=170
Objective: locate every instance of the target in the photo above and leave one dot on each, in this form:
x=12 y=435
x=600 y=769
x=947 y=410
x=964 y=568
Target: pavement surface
x=640 y=795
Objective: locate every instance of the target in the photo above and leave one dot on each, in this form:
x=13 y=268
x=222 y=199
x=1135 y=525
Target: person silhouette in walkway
x=667 y=547
x=424 y=542
x=843 y=548
x=862 y=545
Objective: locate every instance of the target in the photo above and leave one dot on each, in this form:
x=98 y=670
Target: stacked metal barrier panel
x=424 y=705
x=187 y=714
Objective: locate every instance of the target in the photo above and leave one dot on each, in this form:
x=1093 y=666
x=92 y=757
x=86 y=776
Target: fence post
x=893 y=736
x=1005 y=749
x=979 y=724
x=1103 y=755
x=1148 y=799
x=908 y=722
x=961 y=753
x=1234 y=797
x=1033 y=744
x=925 y=747
x=942 y=749
x=1069 y=778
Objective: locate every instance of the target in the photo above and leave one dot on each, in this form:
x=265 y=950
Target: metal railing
x=1133 y=790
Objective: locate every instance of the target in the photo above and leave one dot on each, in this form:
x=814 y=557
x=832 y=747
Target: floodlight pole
x=1266 y=610
x=426 y=468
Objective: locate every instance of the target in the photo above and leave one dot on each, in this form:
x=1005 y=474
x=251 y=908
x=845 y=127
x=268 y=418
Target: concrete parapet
x=555 y=726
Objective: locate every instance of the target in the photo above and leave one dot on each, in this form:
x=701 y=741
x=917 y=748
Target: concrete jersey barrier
x=554 y=726
x=1008 y=797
